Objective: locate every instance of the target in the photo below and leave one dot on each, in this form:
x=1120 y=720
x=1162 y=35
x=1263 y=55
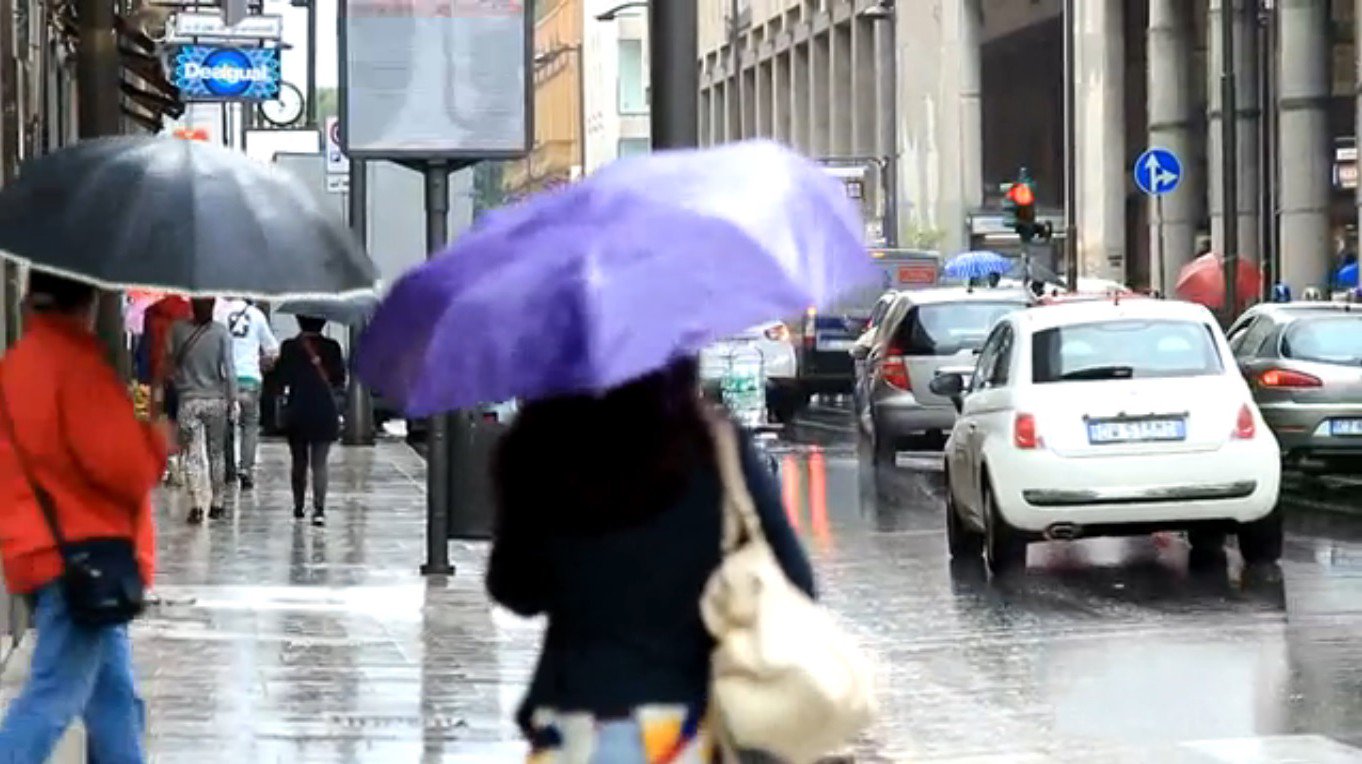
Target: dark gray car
x=1303 y=362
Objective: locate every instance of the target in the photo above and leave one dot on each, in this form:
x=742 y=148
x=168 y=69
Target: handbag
x=100 y=579
x=786 y=678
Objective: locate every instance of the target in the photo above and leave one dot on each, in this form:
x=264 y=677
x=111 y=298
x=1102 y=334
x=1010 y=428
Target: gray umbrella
x=178 y=216
x=350 y=311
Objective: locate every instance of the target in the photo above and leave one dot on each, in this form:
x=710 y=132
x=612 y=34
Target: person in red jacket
x=157 y=323
x=74 y=424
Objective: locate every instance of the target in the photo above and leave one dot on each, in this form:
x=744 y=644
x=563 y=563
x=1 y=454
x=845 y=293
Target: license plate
x=825 y=342
x=1346 y=427
x=1136 y=431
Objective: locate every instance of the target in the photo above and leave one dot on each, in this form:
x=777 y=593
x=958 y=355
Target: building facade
x=955 y=96
x=557 y=155
x=617 y=95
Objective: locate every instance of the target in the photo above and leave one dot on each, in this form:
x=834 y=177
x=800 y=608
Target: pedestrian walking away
x=204 y=376
x=72 y=449
x=614 y=541
x=254 y=350
x=311 y=370
x=157 y=323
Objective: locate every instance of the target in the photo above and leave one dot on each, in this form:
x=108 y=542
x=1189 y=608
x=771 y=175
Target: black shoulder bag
x=100 y=578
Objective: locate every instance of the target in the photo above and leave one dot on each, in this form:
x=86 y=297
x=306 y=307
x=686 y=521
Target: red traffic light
x=1021 y=195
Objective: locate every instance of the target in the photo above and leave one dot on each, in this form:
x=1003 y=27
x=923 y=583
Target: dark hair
x=592 y=464
x=311 y=324
x=49 y=293
x=203 y=309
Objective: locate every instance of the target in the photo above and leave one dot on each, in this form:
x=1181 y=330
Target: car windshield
x=1335 y=340
x=1124 y=350
x=950 y=327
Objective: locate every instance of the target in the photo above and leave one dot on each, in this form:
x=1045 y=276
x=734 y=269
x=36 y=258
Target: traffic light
x=1021 y=210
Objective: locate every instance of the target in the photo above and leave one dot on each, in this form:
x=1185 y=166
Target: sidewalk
x=280 y=642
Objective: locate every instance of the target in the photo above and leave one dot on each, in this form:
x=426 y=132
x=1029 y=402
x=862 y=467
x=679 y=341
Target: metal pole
x=1161 y=259
x=97 y=76
x=359 y=405
x=1267 y=156
x=891 y=126
x=675 y=73
x=9 y=150
x=734 y=87
x=438 y=478
x=1070 y=151
x=1229 y=167
x=312 y=64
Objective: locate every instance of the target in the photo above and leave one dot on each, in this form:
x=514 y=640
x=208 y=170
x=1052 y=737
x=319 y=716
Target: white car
x=778 y=361
x=1107 y=418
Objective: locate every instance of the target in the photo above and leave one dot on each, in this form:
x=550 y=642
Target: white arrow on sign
x=1159 y=178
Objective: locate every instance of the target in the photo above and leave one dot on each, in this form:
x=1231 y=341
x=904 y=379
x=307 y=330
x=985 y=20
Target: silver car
x=923 y=333
x=1304 y=364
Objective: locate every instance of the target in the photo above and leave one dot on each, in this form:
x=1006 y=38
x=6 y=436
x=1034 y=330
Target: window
x=633 y=88
x=1131 y=349
x=633 y=146
x=948 y=328
x=1325 y=340
x=1246 y=343
x=995 y=361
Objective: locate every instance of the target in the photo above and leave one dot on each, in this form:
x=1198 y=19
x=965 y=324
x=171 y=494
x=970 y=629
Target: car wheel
x=785 y=410
x=1260 y=542
x=962 y=540
x=1004 y=549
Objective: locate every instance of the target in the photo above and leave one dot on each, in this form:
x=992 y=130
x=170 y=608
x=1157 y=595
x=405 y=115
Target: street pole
x=1070 y=150
x=359 y=405
x=1229 y=165
x=439 y=483
x=1267 y=145
x=311 y=64
x=734 y=87
x=889 y=67
x=675 y=73
x=1161 y=260
x=97 y=76
x=9 y=153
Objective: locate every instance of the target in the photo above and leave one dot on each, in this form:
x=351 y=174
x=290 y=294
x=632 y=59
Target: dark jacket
x=312 y=413
x=624 y=607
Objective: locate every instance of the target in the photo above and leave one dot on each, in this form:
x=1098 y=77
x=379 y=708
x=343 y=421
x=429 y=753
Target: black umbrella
x=350 y=311
x=178 y=216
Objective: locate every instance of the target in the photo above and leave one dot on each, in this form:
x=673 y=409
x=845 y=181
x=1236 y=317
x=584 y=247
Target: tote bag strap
x=40 y=494
x=741 y=524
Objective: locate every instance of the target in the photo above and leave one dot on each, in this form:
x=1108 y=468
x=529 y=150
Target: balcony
x=549 y=163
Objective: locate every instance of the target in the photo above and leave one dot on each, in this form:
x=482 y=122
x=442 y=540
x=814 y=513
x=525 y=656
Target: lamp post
x=674 y=72
x=884 y=13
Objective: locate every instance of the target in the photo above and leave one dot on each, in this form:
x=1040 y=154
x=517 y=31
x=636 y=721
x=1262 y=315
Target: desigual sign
x=217 y=73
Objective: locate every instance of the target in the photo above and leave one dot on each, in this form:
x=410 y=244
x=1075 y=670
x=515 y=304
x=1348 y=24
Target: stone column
x=782 y=91
x=840 y=85
x=863 y=86
x=1173 y=238
x=1246 y=96
x=799 y=104
x=1305 y=156
x=762 y=95
x=820 y=106
x=1100 y=196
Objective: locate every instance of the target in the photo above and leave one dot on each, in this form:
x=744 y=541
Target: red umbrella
x=1203 y=281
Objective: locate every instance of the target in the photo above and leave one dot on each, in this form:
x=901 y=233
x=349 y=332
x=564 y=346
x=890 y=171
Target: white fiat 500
x=1107 y=418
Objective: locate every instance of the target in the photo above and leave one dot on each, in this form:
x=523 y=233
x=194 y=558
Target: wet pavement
x=280 y=642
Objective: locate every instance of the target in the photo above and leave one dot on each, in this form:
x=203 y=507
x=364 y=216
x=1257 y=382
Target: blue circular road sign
x=1157 y=171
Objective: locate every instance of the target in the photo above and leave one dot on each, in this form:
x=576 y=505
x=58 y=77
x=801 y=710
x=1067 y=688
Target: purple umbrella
x=593 y=285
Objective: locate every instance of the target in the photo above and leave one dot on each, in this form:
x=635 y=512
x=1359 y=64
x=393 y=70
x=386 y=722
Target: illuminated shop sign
x=218 y=73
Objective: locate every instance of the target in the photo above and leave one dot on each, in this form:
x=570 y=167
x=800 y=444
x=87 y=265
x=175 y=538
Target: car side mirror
x=859 y=352
x=948 y=385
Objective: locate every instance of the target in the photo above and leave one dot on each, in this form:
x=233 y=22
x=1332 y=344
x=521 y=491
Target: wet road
x=1104 y=650
x=278 y=642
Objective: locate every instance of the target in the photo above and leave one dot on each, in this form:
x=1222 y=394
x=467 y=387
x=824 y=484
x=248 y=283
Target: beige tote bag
x=787 y=679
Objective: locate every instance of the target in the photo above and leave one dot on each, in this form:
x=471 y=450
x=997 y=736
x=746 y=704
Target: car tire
x=1206 y=542
x=963 y=541
x=1004 y=549
x=1260 y=542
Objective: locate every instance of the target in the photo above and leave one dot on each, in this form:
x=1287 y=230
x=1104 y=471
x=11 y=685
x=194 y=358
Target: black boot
x=216 y=513
x=299 y=513
x=196 y=516
x=319 y=517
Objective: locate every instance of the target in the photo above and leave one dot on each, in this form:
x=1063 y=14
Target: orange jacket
x=76 y=426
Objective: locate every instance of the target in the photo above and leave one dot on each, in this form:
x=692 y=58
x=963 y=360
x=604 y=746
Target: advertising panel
x=435 y=79
x=224 y=73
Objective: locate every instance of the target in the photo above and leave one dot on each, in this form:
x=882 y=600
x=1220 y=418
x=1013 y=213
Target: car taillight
x=895 y=372
x=1024 y=432
x=1245 y=426
x=1286 y=378
x=778 y=333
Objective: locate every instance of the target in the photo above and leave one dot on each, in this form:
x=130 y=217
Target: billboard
x=435 y=79
x=224 y=73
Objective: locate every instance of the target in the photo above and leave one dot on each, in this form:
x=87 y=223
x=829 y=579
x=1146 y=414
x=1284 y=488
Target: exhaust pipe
x=1063 y=532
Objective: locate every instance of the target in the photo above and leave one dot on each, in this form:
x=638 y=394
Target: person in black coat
x=609 y=522
x=311 y=369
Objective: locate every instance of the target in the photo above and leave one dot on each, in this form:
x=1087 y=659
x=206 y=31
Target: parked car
x=1303 y=362
x=1104 y=419
x=923 y=333
x=779 y=365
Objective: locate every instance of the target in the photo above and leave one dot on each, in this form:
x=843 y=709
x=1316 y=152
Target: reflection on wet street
x=1103 y=650
x=280 y=642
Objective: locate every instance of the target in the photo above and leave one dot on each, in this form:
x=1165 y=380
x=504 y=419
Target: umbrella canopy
x=590 y=286
x=1203 y=281
x=1346 y=276
x=351 y=311
x=976 y=265
x=178 y=216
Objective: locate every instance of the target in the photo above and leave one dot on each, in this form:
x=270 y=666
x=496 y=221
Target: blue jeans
x=77 y=671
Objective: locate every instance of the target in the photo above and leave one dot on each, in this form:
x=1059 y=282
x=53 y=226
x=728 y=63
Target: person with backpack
x=202 y=370
x=254 y=349
x=311 y=370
